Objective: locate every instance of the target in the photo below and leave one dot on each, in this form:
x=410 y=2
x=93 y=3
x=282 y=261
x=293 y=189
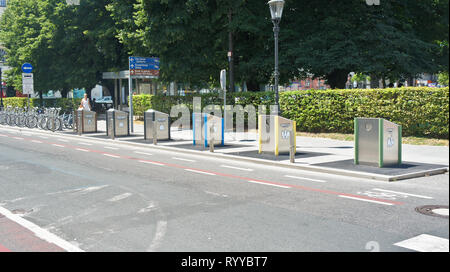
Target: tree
x=68 y=45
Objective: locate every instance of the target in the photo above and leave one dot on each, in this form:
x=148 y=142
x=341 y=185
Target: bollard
x=211 y=142
x=155 y=134
x=113 y=132
x=292 y=148
x=79 y=120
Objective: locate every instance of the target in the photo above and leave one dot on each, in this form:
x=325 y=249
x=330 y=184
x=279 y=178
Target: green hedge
x=66 y=104
x=422 y=111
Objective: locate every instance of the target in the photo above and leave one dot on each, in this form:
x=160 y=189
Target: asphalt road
x=99 y=196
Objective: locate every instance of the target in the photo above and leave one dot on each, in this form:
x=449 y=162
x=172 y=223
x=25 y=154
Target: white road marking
x=81 y=149
x=58 y=145
x=237 y=168
x=161 y=229
x=84 y=143
x=39 y=232
x=367 y=200
x=143 y=153
x=200 y=172
x=18 y=138
x=119 y=197
x=269 y=184
x=109 y=147
x=425 y=243
x=2 y=135
x=112 y=156
x=63 y=140
x=151 y=207
x=154 y=163
x=36 y=141
x=308 y=179
x=182 y=159
x=443 y=212
x=400 y=193
x=43 y=137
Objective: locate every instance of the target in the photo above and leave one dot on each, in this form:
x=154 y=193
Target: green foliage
x=68 y=45
x=443 y=78
x=66 y=104
x=423 y=112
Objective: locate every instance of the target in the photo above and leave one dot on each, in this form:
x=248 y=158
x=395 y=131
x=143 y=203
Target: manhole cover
x=434 y=210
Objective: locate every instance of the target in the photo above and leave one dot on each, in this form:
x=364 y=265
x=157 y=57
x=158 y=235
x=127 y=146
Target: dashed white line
x=154 y=163
x=200 y=172
x=18 y=138
x=84 y=143
x=308 y=179
x=112 y=156
x=367 y=200
x=36 y=141
x=63 y=140
x=109 y=147
x=143 y=153
x=182 y=159
x=58 y=145
x=400 y=193
x=43 y=137
x=269 y=184
x=81 y=149
x=425 y=243
x=237 y=168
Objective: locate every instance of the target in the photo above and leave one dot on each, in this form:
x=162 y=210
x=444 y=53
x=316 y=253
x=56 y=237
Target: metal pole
x=276 y=31
x=130 y=94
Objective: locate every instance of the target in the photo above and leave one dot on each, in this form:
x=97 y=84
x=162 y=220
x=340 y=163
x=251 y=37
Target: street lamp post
x=1 y=89
x=276 y=11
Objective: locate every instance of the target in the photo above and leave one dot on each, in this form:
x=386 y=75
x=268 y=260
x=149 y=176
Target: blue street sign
x=27 y=68
x=140 y=63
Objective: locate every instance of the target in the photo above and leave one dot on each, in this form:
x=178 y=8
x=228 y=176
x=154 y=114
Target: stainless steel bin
x=86 y=121
x=378 y=142
x=156 y=122
x=276 y=134
x=207 y=128
x=117 y=123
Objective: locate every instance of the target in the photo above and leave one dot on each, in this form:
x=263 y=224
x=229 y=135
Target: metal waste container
x=117 y=123
x=378 y=142
x=207 y=128
x=276 y=134
x=85 y=121
x=156 y=122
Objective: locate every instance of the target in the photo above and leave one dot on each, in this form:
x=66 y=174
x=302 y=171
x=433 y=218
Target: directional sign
x=140 y=66
x=27 y=68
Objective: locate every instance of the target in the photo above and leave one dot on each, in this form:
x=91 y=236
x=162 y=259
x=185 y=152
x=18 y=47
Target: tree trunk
x=374 y=81
x=252 y=86
x=337 y=79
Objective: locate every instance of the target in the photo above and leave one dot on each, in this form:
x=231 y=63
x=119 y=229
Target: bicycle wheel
x=43 y=123
x=32 y=121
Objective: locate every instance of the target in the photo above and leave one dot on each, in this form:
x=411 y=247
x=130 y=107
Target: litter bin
x=85 y=121
x=207 y=128
x=117 y=123
x=378 y=142
x=276 y=134
x=156 y=122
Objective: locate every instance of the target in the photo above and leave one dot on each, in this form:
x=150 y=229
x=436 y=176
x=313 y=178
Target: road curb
x=311 y=168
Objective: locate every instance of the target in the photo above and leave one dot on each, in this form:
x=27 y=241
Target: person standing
x=85 y=104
